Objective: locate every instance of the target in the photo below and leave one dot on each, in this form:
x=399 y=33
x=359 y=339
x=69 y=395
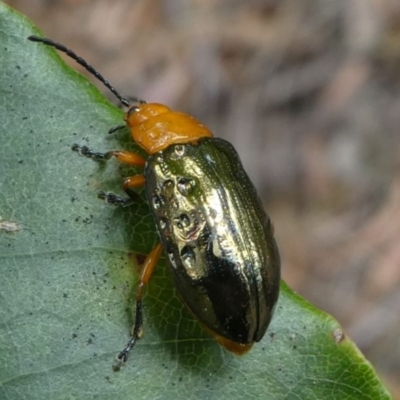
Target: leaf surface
x=68 y=274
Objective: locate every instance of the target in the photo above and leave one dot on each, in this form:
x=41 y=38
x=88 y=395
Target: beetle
x=217 y=239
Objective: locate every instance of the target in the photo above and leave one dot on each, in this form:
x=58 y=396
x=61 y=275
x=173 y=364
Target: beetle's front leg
x=137 y=330
x=123 y=156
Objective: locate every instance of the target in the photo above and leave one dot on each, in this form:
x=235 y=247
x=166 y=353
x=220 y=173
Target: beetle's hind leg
x=137 y=329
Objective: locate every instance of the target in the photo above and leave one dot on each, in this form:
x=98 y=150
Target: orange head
x=154 y=127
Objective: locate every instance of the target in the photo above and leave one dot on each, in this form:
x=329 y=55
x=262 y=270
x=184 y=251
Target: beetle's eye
x=132 y=110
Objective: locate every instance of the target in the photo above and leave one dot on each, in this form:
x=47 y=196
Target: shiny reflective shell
x=217 y=239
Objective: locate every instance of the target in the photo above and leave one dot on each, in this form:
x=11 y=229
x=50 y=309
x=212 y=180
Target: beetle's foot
x=122 y=356
x=111 y=198
x=85 y=151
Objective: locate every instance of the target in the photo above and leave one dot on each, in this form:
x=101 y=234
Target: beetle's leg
x=129 y=183
x=137 y=329
x=123 y=156
x=114 y=199
x=134 y=181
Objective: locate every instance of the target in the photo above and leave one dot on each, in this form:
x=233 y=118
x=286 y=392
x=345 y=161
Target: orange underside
x=234 y=347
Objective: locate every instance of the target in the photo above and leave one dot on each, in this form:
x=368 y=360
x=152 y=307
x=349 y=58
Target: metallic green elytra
x=218 y=241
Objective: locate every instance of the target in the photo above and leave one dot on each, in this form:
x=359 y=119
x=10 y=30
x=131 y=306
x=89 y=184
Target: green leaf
x=68 y=276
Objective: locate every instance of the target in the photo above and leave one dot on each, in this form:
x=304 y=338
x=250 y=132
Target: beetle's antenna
x=87 y=66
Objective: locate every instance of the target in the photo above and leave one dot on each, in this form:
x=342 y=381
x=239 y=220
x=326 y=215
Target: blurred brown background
x=309 y=93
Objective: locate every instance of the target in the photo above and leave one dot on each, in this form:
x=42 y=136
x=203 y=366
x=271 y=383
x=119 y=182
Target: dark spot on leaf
x=139 y=258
